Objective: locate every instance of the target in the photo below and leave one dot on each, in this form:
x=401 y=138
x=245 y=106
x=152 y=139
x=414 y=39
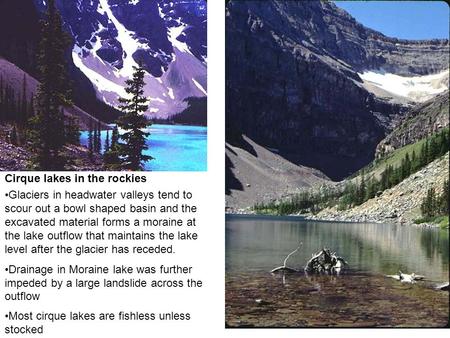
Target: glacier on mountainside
x=413 y=88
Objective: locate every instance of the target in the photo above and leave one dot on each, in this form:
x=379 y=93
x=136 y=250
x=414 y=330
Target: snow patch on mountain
x=126 y=39
x=199 y=86
x=108 y=54
x=170 y=93
x=174 y=34
x=415 y=88
x=101 y=82
x=160 y=11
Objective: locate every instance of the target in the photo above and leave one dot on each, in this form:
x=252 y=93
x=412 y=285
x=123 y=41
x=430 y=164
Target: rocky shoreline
x=15 y=158
x=398 y=205
x=334 y=218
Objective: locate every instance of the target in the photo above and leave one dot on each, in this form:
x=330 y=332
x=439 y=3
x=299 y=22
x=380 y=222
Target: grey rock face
x=399 y=204
x=84 y=20
x=420 y=122
x=168 y=37
x=292 y=81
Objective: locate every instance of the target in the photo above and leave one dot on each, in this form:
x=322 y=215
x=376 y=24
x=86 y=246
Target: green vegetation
x=444 y=223
x=393 y=159
x=441 y=221
x=194 y=114
x=49 y=131
x=15 y=110
x=431 y=148
x=435 y=207
x=410 y=159
x=39 y=123
x=128 y=155
x=301 y=203
x=111 y=157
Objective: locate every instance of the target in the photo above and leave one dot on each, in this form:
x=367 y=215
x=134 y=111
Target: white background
x=206 y=305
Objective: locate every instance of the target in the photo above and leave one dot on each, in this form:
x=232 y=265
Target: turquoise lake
x=174 y=147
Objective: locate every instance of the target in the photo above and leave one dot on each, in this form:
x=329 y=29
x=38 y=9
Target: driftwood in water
x=406 y=278
x=325 y=261
x=443 y=287
x=285 y=268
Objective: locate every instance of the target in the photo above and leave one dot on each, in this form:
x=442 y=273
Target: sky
x=402 y=19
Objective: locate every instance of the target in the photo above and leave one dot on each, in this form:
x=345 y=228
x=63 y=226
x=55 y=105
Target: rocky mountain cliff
x=19 y=43
x=420 y=121
x=400 y=204
x=109 y=37
x=294 y=81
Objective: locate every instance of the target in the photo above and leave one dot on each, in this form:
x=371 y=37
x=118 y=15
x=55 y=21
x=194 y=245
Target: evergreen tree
x=72 y=130
x=95 y=140
x=424 y=154
x=98 y=141
x=362 y=190
x=405 y=168
x=384 y=182
x=444 y=144
x=23 y=105
x=427 y=158
x=133 y=122
x=434 y=149
x=2 y=101
x=349 y=197
x=13 y=136
x=414 y=162
x=91 y=140
x=115 y=137
x=372 y=188
x=48 y=135
x=31 y=108
x=111 y=158
x=107 y=145
x=444 y=199
x=428 y=206
x=390 y=174
x=10 y=104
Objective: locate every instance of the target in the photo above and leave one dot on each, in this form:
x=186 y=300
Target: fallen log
x=285 y=268
x=325 y=261
x=406 y=278
x=443 y=286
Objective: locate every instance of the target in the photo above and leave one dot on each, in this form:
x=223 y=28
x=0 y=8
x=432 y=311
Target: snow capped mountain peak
x=167 y=36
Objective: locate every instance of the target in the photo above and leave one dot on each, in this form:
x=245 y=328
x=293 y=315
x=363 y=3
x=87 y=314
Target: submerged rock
x=322 y=300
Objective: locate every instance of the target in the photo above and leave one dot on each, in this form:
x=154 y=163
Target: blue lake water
x=174 y=147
